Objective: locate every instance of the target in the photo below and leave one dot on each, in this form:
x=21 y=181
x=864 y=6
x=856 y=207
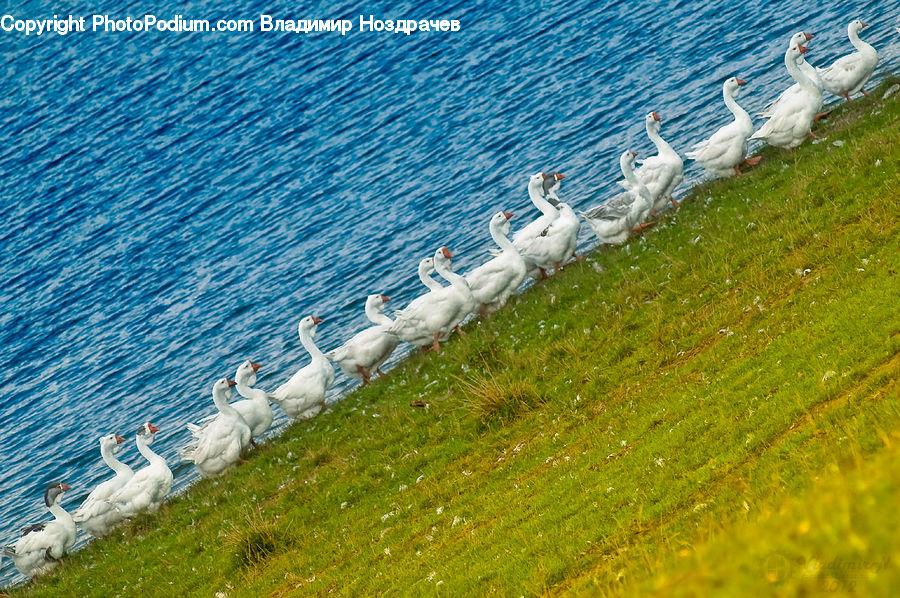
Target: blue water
x=174 y=203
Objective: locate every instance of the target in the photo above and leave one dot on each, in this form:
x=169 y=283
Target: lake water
x=173 y=204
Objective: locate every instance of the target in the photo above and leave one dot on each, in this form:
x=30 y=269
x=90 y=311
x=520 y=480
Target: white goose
x=612 y=220
x=530 y=241
x=788 y=95
x=303 y=396
x=255 y=408
x=538 y=186
x=431 y=318
x=458 y=286
x=563 y=232
x=42 y=545
x=218 y=445
x=493 y=282
x=149 y=486
x=792 y=122
x=660 y=173
x=848 y=74
x=96 y=515
x=551 y=247
x=361 y=356
x=724 y=152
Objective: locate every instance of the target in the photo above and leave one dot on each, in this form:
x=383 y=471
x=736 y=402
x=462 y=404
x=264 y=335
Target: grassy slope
x=712 y=407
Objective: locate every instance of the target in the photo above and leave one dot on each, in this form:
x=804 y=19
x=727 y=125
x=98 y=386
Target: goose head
x=733 y=85
x=500 y=222
x=536 y=183
x=308 y=325
x=653 y=121
x=798 y=50
x=147 y=432
x=54 y=493
x=800 y=38
x=246 y=373
x=550 y=187
x=550 y=184
x=795 y=53
x=443 y=257
x=426 y=266
x=376 y=302
x=222 y=389
x=856 y=26
x=111 y=443
x=626 y=161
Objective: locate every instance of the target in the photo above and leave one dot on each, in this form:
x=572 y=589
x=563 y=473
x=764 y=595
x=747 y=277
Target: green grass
x=712 y=408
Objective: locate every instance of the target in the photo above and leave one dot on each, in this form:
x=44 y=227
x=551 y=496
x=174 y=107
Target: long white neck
x=244 y=385
x=740 y=115
x=149 y=455
x=537 y=198
x=860 y=45
x=790 y=62
x=644 y=196
x=307 y=341
x=501 y=239
x=62 y=515
x=377 y=317
x=223 y=405
x=245 y=389
x=662 y=147
x=455 y=280
x=112 y=462
x=428 y=281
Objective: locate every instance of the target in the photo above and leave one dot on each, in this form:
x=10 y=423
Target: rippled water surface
x=173 y=203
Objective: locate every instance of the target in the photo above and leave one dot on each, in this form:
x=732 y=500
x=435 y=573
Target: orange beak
x=119 y=439
x=255 y=366
x=508 y=215
x=559 y=176
x=803 y=49
x=655 y=116
x=65 y=486
x=864 y=24
x=230 y=382
x=384 y=299
x=446 y=253
x=153 y=429
x=809 y=36
x=741 y=82
x=317 y=321
x=633 y=155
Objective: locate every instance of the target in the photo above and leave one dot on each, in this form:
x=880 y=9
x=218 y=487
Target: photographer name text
x=179 y=24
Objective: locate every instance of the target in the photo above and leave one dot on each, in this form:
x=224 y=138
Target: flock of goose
x=540 y=248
